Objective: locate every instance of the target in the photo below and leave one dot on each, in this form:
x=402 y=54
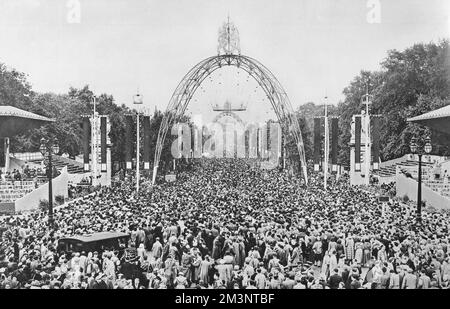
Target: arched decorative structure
x=229 y=114
x=266 y=80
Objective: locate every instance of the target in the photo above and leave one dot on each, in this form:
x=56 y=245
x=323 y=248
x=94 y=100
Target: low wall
x=7 y=208
x=408 y=186
x=31 y=200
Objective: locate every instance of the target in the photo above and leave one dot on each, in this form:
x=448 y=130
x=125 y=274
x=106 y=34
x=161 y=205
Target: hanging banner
x=146 y=126
x=2 y=153
x=326 y=146
x=358 y=143
x=316 y=144
x=376 y=142
x=103 y=143
x=334 y=143
x=128 y=141
x=86 y=137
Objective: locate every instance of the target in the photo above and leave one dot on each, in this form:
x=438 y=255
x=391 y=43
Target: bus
x=99 y=242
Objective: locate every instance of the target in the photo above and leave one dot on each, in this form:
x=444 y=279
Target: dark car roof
x=96 y=236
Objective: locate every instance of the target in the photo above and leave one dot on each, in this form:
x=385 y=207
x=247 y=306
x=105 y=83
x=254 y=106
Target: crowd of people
x=25 y=173
x=18 y=175
x=228 y=225
x=81 y=189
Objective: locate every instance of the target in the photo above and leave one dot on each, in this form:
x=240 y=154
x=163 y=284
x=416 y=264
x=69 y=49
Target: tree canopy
x=410 y=83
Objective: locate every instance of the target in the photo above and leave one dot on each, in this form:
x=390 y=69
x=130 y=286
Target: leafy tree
x=306 y=114
x=14 y=88
x=410 y=83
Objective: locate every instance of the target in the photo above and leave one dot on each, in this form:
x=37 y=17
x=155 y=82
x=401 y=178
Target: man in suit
x=157 y=249
x=385 y=277
x=345 y=274
x=335 y=279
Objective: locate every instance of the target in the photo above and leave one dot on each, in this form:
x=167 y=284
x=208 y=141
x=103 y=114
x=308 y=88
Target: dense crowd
x=225 y=224
x=18 y=175
x=25 y=173
x=81 y=189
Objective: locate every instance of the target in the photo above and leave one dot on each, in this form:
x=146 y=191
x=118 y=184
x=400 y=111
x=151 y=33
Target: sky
x=313 y=47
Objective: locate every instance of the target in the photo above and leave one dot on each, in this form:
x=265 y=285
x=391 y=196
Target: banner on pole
x=103 y=143
x=357 y=144
x=128 y=141
x=86 y=138
x=316 y=144
x=376 y=142
x=146 y=126
x=334 y=142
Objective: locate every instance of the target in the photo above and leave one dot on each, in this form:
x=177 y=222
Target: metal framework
x=266 y=80
x=229 y=114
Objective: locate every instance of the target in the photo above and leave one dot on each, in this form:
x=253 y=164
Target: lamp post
x=137 y=100
x=48 y=148
x=425 y=147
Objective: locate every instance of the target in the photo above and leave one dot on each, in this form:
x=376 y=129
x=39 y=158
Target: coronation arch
x=266 y=80
x=229 y=114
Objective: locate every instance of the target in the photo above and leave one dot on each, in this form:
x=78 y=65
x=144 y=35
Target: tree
x=105 y=105
x=351 y=106
x=306 y=114
x=14 y=88
x=410 y=83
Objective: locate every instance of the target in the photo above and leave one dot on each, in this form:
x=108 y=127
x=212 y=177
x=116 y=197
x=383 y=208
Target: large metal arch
x=266 y=80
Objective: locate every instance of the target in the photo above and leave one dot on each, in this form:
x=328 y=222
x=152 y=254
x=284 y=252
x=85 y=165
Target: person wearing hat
x=157 y=248
x=186 y=264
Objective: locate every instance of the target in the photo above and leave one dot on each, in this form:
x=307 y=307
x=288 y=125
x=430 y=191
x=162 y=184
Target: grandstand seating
x=73 y=167
x=11 y=191
x=408 y=166
x=440 y=186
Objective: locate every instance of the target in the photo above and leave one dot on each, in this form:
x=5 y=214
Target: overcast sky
x=314 y=47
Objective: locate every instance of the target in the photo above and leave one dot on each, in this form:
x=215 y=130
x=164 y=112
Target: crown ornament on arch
x=228 y=39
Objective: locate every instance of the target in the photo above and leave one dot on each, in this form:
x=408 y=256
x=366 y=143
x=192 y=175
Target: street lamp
x=417 y=149
x=49 y=148
x=137 y=100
